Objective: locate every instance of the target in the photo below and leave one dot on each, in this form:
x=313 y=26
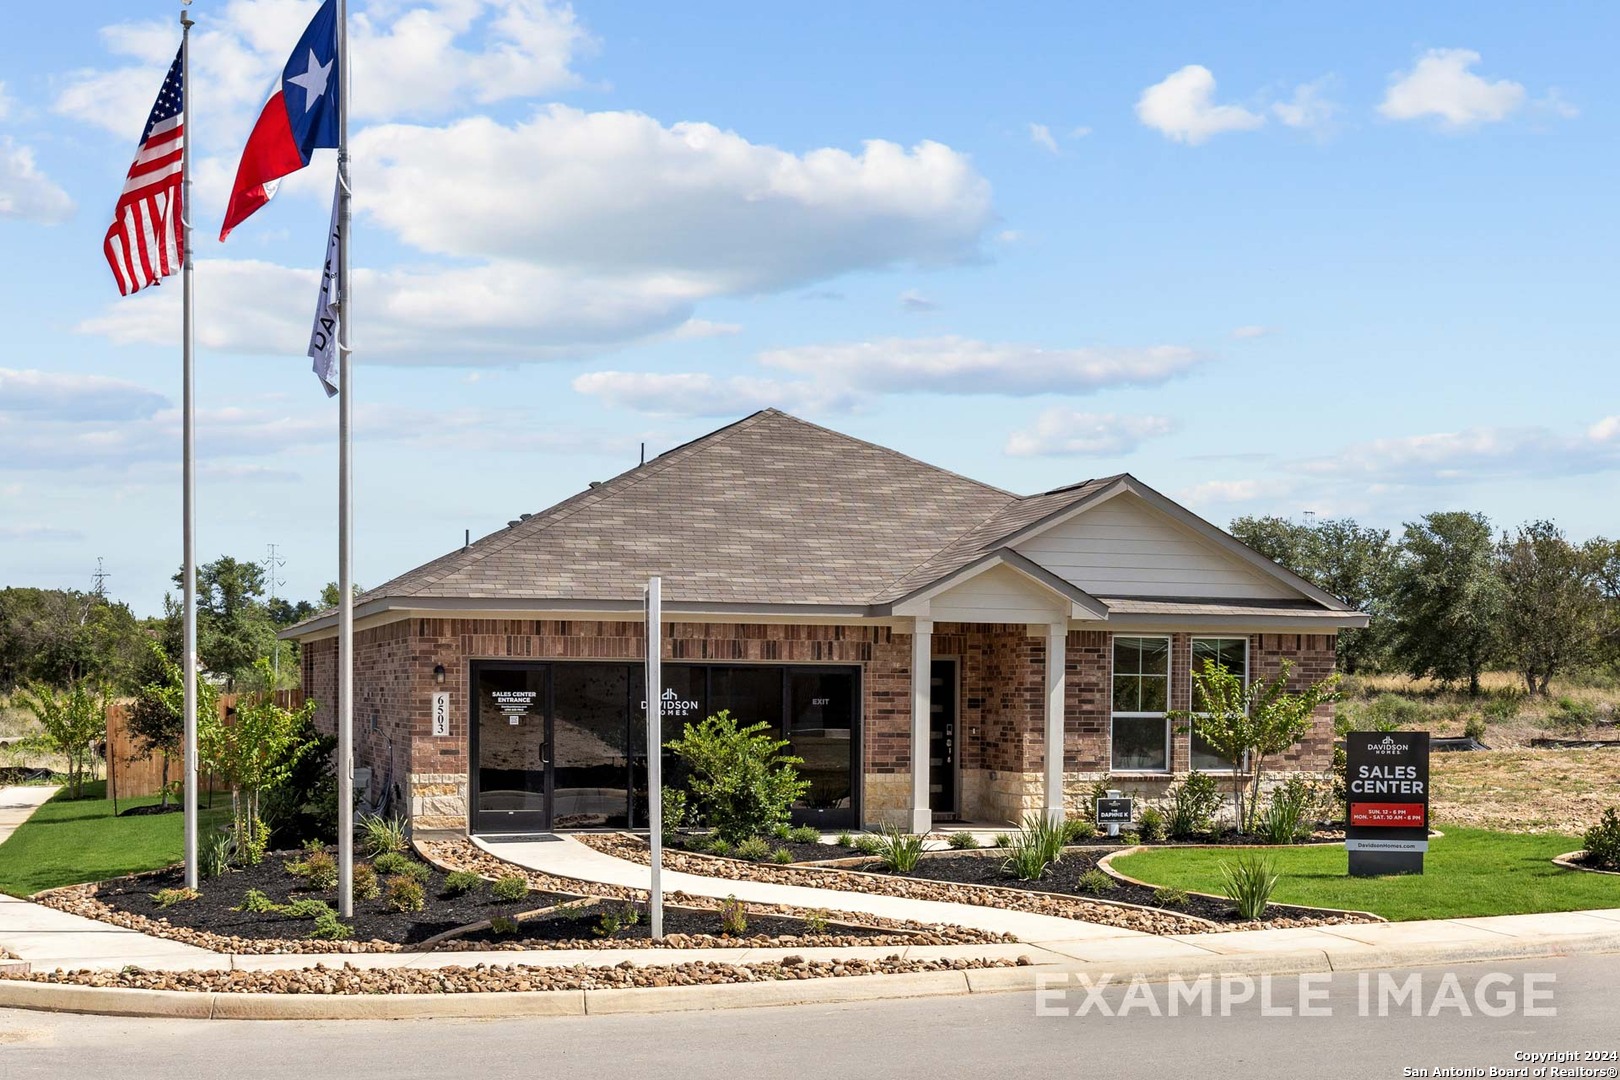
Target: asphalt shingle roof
x=771 y=509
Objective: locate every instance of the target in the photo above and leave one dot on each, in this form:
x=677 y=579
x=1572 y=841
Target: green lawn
x=1468 y=872
x=71 y=841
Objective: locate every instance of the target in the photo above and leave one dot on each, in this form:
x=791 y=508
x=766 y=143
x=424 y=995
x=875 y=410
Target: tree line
x=1451 y=597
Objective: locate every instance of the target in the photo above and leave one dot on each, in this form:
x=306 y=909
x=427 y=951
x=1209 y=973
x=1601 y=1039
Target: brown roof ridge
x=496 y=542
x=891 y=451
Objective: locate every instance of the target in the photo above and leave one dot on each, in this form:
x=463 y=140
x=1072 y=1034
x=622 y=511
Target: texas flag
x=300 y=117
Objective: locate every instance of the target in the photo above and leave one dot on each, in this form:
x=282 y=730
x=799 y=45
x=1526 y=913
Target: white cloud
x=5 y=102
x=838 y=378
x=1060 y=431
x=1309 y=109
x=1214 y=492
x=1041 y=136
x=697 y=394
x=27 y=193
x=1182 y=107
x=1248 y=333
x=698 y=329
x=957 y=365
x=619 y=192
x=38 y=533
x=1441 y=85
x=1474 y=455
x=1079 y=132
x=915 y=302
x=52 y=395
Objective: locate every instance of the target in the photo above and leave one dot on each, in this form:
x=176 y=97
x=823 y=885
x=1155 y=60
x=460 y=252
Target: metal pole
x=655 y=752
x=188 y=481
x=345 y=690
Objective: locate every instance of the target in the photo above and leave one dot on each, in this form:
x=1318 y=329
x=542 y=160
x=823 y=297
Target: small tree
x=157 y=715
x=257 y=751
x=741 y=781
x=1247 y=724
x=72 y=722
x=1550 y=622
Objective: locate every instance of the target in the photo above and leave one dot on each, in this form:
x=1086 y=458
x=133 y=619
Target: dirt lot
x=1525 y=790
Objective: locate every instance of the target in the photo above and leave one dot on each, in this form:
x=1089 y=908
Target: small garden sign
x=1387 y=787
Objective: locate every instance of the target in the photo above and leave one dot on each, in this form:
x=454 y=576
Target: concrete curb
x=241 y=1006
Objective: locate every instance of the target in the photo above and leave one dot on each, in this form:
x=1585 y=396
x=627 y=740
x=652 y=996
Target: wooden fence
x=132 y=772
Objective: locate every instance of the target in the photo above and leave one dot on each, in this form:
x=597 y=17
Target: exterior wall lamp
x=438 y=674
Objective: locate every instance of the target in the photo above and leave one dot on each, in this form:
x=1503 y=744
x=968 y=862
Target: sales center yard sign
x=1387 y=787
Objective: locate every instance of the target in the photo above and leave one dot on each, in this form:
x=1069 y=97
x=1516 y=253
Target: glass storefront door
x=511 y=741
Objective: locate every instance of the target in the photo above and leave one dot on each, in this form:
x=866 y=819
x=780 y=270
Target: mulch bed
x=214 y=911
x=686 y=925
x=802 y=853
x=484 y=978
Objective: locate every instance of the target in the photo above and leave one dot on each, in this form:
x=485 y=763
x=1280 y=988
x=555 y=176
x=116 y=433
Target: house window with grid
x=1233 y=655
x=1141 y=732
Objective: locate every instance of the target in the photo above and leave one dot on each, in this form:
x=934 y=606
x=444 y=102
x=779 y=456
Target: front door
x=942 y=739
x=510 y=779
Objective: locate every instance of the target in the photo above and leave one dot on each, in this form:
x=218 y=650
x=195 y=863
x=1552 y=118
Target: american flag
x=145 y=242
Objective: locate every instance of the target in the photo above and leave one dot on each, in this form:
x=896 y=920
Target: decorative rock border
x=1103 y=912
x=1339 y=915
x=1568 y=860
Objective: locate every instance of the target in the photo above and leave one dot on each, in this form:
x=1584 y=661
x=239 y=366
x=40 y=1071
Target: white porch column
x=1056 y=639
x=922 y=660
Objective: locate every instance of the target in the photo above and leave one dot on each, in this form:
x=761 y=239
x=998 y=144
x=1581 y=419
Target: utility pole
x=272 y=581
x=100 y=577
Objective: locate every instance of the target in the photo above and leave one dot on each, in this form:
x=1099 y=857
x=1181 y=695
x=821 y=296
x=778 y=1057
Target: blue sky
x=1356 y=261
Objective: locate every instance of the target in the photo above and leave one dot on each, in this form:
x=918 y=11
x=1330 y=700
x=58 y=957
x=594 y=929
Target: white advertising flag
x=323 y=337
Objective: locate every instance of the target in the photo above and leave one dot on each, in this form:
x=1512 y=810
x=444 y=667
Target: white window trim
x=1192 y=665
x=1169 y=689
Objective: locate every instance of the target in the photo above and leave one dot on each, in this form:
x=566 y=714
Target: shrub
x=382 y=835
x=1150 y=825
x=1602 y=842
x=845 y=840
x=392 y=862
x=1475 y=728
x=898 y=851
x=1193 y=804
x=1502 y=707
x=328 y=927
x=1025 y=861
x=675 y=813
x=1287 y=820
x=781 y=831
x=1572 y=715
x=815 y=922
x=962 y=841
x=510 y=887
x=1250 y=881
x=1170 y=896
x=215 y=854
x=307 y=907
x=460 y=882
x=1002 y=840
x=753 y=849
x=1046 y=833
x=720 y=847
x=1097 y=881
x=805 y=834
x=781 y=856
x=365 y=886
x=318 y=869
x=404 y=893
x=614 y=919
x=867 y=844
x=503 y=925
x=1078 y=829
x=257 y=903
x=741 y=781
x=170 y=897
x=733 y=917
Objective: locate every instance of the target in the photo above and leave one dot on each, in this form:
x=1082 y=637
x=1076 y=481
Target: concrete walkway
x=564 y=856
x=17 y=805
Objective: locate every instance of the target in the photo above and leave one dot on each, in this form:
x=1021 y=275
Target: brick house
x=935 y=648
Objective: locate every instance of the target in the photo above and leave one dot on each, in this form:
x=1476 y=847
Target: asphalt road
x=992 y=1036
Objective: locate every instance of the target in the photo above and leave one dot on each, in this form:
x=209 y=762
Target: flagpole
x=345 y=724
x=188 y=480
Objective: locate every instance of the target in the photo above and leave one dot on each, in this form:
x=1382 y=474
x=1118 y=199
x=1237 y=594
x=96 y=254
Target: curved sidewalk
x=567 y=857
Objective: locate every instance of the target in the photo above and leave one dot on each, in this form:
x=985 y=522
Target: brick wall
x=1313 y=659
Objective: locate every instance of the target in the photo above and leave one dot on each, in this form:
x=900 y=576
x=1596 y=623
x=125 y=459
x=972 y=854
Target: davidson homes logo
x=1389 y=747
x=672 y=704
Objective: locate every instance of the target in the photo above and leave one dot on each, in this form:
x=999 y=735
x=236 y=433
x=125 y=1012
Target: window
x=1141 y=732
x=1232 y=654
